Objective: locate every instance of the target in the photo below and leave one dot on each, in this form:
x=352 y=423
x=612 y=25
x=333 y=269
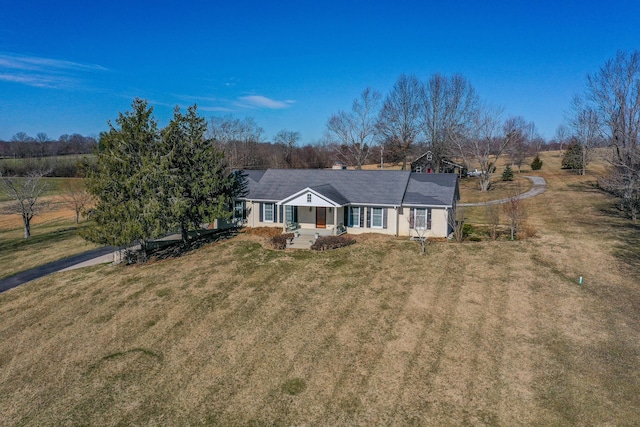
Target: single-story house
x=399 y=203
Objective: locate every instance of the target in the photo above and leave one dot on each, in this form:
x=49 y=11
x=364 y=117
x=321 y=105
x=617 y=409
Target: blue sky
x=70 y=66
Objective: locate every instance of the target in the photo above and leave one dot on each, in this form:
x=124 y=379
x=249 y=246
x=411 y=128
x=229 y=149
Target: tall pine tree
x=124 y=182
x=149 y=183
x=196 y=180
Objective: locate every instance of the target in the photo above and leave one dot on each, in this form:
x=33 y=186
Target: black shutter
x=369 y=213
x=346 y=216
x=295 y=214
x=261 y=212
x=281 y=216
x=428 y=218
x=384 y=217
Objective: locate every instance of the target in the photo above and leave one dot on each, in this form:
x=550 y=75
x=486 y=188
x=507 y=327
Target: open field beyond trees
x=54 y=234
x=478 y=333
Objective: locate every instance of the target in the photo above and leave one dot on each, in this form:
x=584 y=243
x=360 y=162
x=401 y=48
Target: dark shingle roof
x=356 y=187
x=330 y=193
x=253 y=177
x=432 y=189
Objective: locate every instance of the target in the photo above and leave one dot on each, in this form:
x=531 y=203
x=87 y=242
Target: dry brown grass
x=53 y=236
x=488 y=333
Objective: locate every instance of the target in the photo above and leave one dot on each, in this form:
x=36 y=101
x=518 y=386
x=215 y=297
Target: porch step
x=301 y=242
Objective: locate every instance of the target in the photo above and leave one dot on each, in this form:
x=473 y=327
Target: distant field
x=53 y=233
x=68 y=158
x=479 y=333
x=56 y=186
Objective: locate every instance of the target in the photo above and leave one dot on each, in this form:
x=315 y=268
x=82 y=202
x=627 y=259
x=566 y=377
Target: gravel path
x=539 y=186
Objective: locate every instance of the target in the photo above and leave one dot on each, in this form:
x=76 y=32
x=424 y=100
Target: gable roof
x=325 y=192
x=374 y=187
x=435 y=189
x=358 y=187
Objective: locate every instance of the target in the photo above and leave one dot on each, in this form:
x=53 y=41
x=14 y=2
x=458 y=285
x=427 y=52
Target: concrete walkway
x=92 y=257
x=539 y=186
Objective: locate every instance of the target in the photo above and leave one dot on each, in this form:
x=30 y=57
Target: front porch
x=320 y=209
x=326 y=220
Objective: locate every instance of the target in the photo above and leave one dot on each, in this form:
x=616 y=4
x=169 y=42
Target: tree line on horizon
x=446 y=116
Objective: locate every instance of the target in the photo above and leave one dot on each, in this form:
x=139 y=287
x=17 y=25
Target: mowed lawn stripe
x=363 y=340
x=415 y=402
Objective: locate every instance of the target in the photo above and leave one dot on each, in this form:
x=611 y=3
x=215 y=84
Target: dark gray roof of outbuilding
x=432 y=189
x=392 y=188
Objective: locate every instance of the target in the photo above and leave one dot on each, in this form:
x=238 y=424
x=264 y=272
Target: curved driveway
x=539 y=186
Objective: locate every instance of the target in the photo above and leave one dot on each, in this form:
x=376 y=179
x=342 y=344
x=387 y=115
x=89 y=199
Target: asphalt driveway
x=52 y=267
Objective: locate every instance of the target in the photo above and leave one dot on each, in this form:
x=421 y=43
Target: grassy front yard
x=479 y=333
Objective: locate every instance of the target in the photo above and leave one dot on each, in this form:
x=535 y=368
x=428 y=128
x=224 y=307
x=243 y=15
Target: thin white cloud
x=43 y=72
x=30 y=80
x=258 y=101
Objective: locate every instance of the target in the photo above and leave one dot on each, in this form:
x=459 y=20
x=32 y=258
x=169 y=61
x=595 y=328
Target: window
x=421 y=218
x=354 y=216
x=289 y=214
x=238 y=210
x=268 y=212
x=376 y=218
x=309 y=198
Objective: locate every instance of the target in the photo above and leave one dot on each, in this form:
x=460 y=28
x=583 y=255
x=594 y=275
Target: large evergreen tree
x=149 y=183
x=124 y=182
x=197 y=184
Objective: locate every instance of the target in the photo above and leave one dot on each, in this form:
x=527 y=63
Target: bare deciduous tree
x=42 y=137
x=450 y=104
x=518 y=131
x=25 y=196
x=353 y=133
x=515 y=211
x=76 y=197
x=400 y=119
x=614 y=95
x=493 y=218
x=485 y=145
x=584 y=122
x=562 y=135
x=288 y=140
x=238 y=137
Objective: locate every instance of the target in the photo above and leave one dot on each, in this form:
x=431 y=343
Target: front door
x=321 y=217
